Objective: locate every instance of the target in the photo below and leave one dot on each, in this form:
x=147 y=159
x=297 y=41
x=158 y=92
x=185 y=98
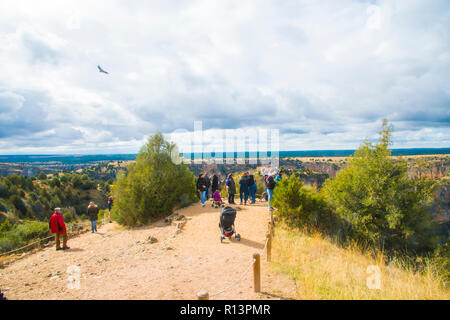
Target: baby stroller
x=226 y=224
x=217 y=200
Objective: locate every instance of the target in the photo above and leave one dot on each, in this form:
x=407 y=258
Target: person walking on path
x=231 y=188
x=201 y=188
x=252 y=188
x=58 y=227
x=215 y=183
x=243 y=187
x=270 y=188
x=110 y=203
x=93 y=215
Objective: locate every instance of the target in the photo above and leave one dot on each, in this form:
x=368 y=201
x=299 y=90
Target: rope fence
x=256 y=264
x=69 y=227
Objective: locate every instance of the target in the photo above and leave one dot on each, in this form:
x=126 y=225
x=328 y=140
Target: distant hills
x=77 y=158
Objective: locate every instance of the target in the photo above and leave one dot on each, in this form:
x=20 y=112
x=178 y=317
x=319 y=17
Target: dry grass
x=323 y=270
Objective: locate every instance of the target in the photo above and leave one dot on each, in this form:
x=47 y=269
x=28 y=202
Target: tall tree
x=376 y=196
x=153 y=186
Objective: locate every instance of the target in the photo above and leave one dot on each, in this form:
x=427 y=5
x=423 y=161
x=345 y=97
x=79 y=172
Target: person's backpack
x=251 y=181
x=271 y=183
x=227 y=182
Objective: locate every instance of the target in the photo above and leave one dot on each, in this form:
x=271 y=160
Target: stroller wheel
x=238 y=237
x=221 y=238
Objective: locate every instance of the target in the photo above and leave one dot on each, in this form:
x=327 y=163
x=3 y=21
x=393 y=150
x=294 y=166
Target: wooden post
x=269 y=246
x=257 y=273
x=202 y=295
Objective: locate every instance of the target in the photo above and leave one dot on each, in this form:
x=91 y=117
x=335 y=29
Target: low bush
x=23 y=233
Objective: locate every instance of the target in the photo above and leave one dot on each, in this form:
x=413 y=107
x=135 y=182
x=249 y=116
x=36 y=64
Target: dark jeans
x=231 y=198
x=252 y=192
x=243 y=194
x=93 y=225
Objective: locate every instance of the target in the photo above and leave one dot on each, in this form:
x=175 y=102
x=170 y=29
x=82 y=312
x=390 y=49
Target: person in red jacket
x=58 y=227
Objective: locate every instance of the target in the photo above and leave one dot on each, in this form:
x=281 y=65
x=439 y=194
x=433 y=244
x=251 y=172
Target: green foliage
x=383 y=206
x=69 y=215
x=299 y=204
x=5 y=226
x=42 y=176
x=441 y=260
x=16 y=200
x=55 y=183
x=23 y=233
x=153 y=186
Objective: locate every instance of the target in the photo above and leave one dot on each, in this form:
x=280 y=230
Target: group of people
x=247 y=187
x=58 y=227
x=203 y=185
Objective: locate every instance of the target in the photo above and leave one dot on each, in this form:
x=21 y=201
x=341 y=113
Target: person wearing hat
x=58 y=227
x=93 y=216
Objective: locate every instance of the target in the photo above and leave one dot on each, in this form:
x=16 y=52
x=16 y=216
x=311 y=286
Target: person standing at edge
x=270 y=188
x=243 y=187
x=93 y=216
x=201 y=187
x=252 y=188
x=231 y=188
x=58 y=227
x=110 y=203
x=214 y=184
x=208 y=184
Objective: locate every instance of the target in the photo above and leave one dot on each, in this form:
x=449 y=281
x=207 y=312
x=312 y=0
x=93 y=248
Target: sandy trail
x=120 y=264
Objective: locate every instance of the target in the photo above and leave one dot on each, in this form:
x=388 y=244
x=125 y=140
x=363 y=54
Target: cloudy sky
x=325 y=73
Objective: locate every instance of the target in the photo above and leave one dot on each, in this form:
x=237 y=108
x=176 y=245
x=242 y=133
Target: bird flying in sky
x=101 y=70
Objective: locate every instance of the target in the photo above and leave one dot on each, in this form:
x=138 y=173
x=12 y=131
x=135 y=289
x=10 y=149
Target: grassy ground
x=323 y=270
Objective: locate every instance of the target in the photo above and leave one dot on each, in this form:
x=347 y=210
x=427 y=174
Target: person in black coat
x=208 y=184
x=215 y=183
x=201 y=188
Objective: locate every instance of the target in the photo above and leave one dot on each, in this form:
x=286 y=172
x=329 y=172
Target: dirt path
x=122 y=264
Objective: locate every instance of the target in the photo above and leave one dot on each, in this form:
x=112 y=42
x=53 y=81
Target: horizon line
x=224 y=152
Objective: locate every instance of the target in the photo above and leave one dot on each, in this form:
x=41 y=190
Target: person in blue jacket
x=243 y=188
x=252 y=188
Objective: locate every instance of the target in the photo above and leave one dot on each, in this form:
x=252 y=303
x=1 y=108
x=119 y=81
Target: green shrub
x=30 y=230
x=383 y=206
x=5 y=226
x=153 y=186
x=6 y=244
x=42 y=176
x=68 y=217
x=299 y=204
x=23 y=233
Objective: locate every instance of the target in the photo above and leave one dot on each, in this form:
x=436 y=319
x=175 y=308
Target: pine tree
x=153 y=186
